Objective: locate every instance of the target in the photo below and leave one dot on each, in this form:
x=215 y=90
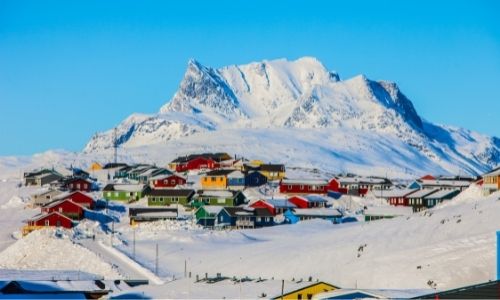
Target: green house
x=170 y=196
x=220 y=198
x=123 y=192
x=207 y=215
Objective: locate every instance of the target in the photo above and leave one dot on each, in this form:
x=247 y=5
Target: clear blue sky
x=71 y=68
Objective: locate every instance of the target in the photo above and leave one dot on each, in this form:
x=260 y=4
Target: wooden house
x=295 y=215
x=254 y=178
x=216 y=179
x=166 y=197
x=204 y=161
x=78 y=184
x=41 y=177
x=439 y=196
x=491 y=182
x=307 y=291
x=151 y=214
x=396 y=197
x=78 y=197
x=166 y=181
x=146 y=175
x=221 y=198
x=53 y=219
x=442 y=183
x=206 y=215
x=124 y=192
x=40 y=199
x=416 y=199
x=235 y=180
x=274 y=206
x=273 y=171
x=358 y=186
x=65 y=207
x=373 y=213
x=244 y=217
x=308 y=201
x=303 y=186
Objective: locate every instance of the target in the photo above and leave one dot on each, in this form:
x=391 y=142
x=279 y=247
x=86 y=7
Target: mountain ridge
x=300 y=94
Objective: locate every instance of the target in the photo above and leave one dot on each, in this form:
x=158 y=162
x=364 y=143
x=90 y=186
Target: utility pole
x=115 y=145
x=185 y=268
x=156 y=263
x=282 y=288
x=112 y=233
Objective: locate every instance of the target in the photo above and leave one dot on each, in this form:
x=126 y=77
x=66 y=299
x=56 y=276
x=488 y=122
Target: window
x=78 y=186
x=58 y=223
x=60 y=209
x=301 y=187
x=47 y=223
x=212 y=179
x=85 y=186
x=309 y=296
x=258 y=219
x=299 y=297
x=173 y=181
x=116 y=194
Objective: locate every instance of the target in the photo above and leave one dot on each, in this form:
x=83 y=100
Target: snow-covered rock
x=281 y=95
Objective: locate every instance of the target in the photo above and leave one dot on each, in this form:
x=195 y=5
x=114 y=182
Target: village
x=218 y=191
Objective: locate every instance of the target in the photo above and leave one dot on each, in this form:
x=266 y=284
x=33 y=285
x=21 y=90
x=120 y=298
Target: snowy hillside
x=286 y=101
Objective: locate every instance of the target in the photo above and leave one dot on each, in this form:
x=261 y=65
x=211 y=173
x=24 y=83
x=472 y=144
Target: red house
x=168 y=181
x=78 y=184
x=274 y=206
x=66 y=207
x=428 y=177
x=79 y=198
x=264 y=204
x=197 y=164
x=53 y=219
x=399 y=197
x=303 y=186
x=309 y=201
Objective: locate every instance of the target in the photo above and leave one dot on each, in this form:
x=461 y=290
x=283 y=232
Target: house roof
x=222 y=172
x=272 y=167
x=124 y=187
x=56 y=203
x=280 y=203
x=445 y=182
x=212 y=209
x=239 y=211
x=219 y=156
x=393 y=193
x=388 y=211
x=172 y=192
x=114 y=165
x=305 y=181
x=314 y=198
x=362 y=180
x=218 y=193
x=43 y=216
x=317 y=212
x=441 y=194
x=422 y=193
x=165 y=176
x=494 y=172
x=133 y=211
x=69 y=194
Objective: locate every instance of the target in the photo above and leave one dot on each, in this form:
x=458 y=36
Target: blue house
x=255 y=178
x=244 y=217
x=415 y=185
x=236 y=180
x=295 y=215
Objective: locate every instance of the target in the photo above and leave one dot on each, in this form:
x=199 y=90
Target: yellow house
x=95 y=166
x=216 y=179
x=306 y=292
x=273 y=171
x=491 y=182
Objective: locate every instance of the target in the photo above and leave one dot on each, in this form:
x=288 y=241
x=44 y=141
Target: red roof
x=428 y=177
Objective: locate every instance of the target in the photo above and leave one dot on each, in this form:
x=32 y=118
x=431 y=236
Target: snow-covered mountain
x=301 y=113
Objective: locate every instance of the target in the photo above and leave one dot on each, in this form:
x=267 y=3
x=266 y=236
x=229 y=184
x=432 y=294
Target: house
x=53 y=219
x=78 y=184
x=22 y=289
x=358 y=186
x=236 y=180
x=484 y=290
x=439 y=196
x=95 y=166
x=166 y=181
x=41 y=177
x=308 y=201
x=273 y=171
x=216 y=179
x=206 y=215
x=396 y=197
x=65 y=207
x=167 y=197
x=78 y=197
x=124 y=192
x=304 y=292
x=114 y=166
x=244 y=217
x=372 y=294
x=151 y=214
x=147 y=174
x=303 y=186
x=373 y=213
x=274 y=206
x=221 y=198
x=416 y=199
x=254 y=178
x=198 y=161
x=40 y=199
x=491 y=182
x=295 y=215
x=442 y=183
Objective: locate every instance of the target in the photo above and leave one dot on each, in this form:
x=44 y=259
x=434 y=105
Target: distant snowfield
x=444 y=247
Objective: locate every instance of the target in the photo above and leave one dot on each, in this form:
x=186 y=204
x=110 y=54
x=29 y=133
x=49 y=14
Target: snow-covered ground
x=446 y=247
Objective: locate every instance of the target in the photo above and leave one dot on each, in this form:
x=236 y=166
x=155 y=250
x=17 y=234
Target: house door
x=58 y=223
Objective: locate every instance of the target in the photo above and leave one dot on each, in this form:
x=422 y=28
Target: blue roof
x=281 y=203
x=315 y=198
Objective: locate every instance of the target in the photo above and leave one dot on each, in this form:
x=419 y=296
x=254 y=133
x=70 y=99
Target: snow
x=388 y=211
x=303 y=181
x=324 y=212
x=440 y=194
x=42 y=250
